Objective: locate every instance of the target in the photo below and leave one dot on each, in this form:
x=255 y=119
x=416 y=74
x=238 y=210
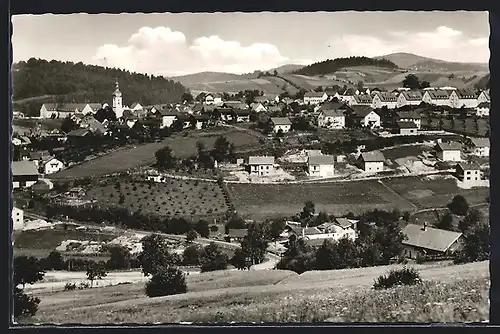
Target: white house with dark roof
x=480 y=146
x=407 y=128
x=438 y=97
x=261 y=165
x=385 y=99
x=484 y=96
x=168 y=117
x=258 y=107
x=409 y=116
x=449 y=151
x=424 y=240
x=360 y=100
x=63 y=110
x=366 y=116
x=463 y=98
x=50 y=165
x=483 y=109
x=315 y=97
x=409 y=98
x=372 y=162
x=24 y=174
x=331 y=119
x=321 y=165
x=136 y=106
x=281 y=123
x=468 y=172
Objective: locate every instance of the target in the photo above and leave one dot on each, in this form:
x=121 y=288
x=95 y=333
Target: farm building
x=409 y=116
x=331 y=119
x=437 y=97
x=448 y=151
x=321 y=165
x=236 y=234
x=136 y=106
x=407 y=128
x=409 y=98
x=484 y=96
x=17 y=219
x=63 y=110
x=483 y=109
x=24 y=174
x=344 y=223
x=261 y=165
x=315 y=97
x=258 y=107
x=429 y=241
x=213 y=99
x=365 y=116
x=463 y=98
x=385 y=99
x=281 y=123
x=242 y=116
x=372 y=162
x=480 y=146
x=360 y=100
x=201 y=121
x=468 y=172
x=50 y=165
x=235 y=105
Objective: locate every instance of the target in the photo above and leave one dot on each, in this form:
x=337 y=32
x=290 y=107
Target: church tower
x=117 y=102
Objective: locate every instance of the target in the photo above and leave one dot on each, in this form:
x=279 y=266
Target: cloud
x=163 y=51
x=442 y=43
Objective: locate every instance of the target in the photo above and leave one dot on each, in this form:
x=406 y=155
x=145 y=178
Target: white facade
x=449 y=155
x=427 y=98
x=315 y=98
x=331 y=120
x=405 y=100
x=377 y=103
x=167 y=121
x=321 y=170
x=131 y=122
x=372 y=118
x=258 y=107
x=52 y=166
x=283 y=127
x=118 y=102
x=462 y=102
x=374 y=166
x=336 y=236
x=27 y=184
x=17 y=219
x=136 y=107
x=482 y=151
x=483 y=109
x=484 y=96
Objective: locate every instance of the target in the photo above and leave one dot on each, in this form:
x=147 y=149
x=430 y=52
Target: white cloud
x=163 y=51
x=442 y=43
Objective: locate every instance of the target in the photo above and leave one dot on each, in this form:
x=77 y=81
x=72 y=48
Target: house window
x=468 y=177
x=267 y=167
x=468 y=172
x=261 y=167
x=22 y=183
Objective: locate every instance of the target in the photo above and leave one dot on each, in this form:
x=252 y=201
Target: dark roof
x=240 y=112
x=480 y=142
x=237 y=232
x=407 y=125
x=20 y=168
x=469 y=166
x=306 y=230
x=387 y=96
x=327 y=106
x=430 y=238
x=452 y=146
x=314 y=94
x=332 y=113
x=321 y=160
x=361 y=111
x=373 y=156
x=78 y=133
x=412 y=95
x=439 y=94
x=281 y=121
x=344 y=222
x=365 y=98
x=411 y=114
x=483 y=105
x=466 y=94
x=70 y=106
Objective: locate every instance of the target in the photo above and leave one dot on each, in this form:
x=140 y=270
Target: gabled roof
x=321 y=160
x=480 y=142
x=281 y=121
x=411 y=114
x=135 y=104
x=361 y=111
x=412 y=95
x=314 y=94
x=78 y=133
x=486 y=94
x=241 y=112
x=365 y=98
x=255 y=105
x=439 y=94
x=373 y=156
x=452 y=146
x=387 y=96
x=20 y=168
x=484 y=105
x=261 y=160
x=235 y=104
x=466 y=94
x=274 y=108
x=344 y=222
x=237 y=232
x=430 y=238
x=407 y=125
x=332 y=113
x=306 y=230
x=332 y=106
x=469 y=166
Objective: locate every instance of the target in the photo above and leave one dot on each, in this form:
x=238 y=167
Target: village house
x=258 y=107
x=480 y=146
x=315 y=97
x=321 y=165
x=261 y=165
x=365 y=116
x=264 y=99
x=468 y=172
x=236 y=234
x=63 y=110
x=202 y=121
x=242 y=116
x=168 y=117
x=409 y=116
x=213 y=99
x=406 y=128
x=360 y=100
x=50 y=165
x=437 y=97
x=21 y=141
x=409 y=98
x=281 y=123
x=372 y=162
x=448 y=151
x=331 y=119
x=24 y=174
x=339 y=228
x=484 y=96
x=332 y=94
x=483 y=109
x=429 y=241
x=17 y=219
x=136 y=106
x=463 y=98
x=385 y=99
x=78 y=135
x=235 y=105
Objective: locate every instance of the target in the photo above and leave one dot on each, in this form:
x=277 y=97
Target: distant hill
x=204 y=77
x=419 y=63
x=38 y=81
x=286 y=69
x=330 y=66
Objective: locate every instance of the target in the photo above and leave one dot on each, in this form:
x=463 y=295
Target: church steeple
x=117 y=101
x=117 y=89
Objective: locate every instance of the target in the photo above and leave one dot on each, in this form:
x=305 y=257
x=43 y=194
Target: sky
x=173 y=44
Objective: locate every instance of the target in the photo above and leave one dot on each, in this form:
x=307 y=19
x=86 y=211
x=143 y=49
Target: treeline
x=71 y=82
x=331 y=66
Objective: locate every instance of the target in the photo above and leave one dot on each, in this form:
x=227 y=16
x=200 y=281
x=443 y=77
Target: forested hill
x=68 y=82
x=330 y=66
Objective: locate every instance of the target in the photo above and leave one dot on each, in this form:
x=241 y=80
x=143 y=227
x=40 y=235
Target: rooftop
x=469 y=165
x=281 y=121
x=480 y=142
x=373 y=156
x=483 y=105
x=452 y=146
x=361 y=111
x=261 y=160
x=314 y=94
x=20 y=168
x=321 y=160
x=407 y=125
x=430 y=238
x=237 y=232
x=412 y=95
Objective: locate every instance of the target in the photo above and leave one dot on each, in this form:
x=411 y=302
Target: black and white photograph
x=251 y=168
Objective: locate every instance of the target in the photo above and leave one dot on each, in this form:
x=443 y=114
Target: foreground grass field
x=449 y=293
x=335 y=198
x=143 y=155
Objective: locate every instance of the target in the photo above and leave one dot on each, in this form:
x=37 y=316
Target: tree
x=68 y=125
x=55 y=261
x=446 y=222
x=459 y=205
x=191 y=235
x=473 y=217
x=308 y=210
x=105 y=113
x=191 y=255
x=202 y=227
x=167 y=281
x=477 y=244
x=95 y=271
x=275 y=73
x=411 y=81
x=212 y=258
x=155 y=254
x=27 y=270
x=235 y=222
x=223 y=149
x=424 y=84
x=240 y=260
x=187 y=97
x=360 y=86
x=120 y=257
x=276 y=227
x=24 y=305
x=165 y=158
x=254 y=244
x=338 y=255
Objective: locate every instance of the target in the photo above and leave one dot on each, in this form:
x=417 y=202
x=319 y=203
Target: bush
x=404 y=276
x=24 y=305
x=167 y=281
x=70 y=286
